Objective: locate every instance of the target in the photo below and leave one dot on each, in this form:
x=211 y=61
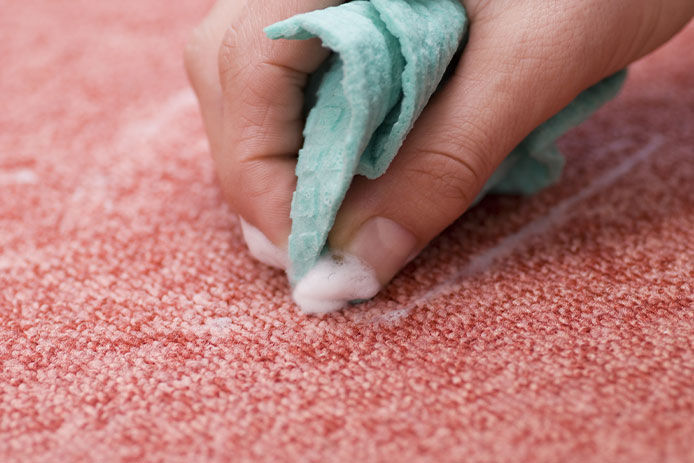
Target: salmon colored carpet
x=135 y=327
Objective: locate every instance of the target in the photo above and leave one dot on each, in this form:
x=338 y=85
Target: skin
x=525 y=60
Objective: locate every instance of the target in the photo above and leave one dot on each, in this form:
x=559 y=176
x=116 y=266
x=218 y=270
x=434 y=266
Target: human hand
x=524 y=61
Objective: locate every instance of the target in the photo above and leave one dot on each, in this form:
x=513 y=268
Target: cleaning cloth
x=388 y=58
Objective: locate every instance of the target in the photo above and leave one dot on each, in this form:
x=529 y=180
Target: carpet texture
x=135 y=327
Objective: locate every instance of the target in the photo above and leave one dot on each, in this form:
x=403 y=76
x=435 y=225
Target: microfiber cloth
x=389 y=56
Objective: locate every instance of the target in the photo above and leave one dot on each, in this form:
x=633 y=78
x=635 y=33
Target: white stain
x=18 y=177
x=146 y=129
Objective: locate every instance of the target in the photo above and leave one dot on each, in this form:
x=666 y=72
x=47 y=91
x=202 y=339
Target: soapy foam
x=262 y=248
x=333 y=282
x=330 y=285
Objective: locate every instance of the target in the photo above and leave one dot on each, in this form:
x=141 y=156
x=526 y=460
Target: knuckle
x=454 y=169
x=246 y=181
x=472 y=141
x=254 y=179
x=444 y=178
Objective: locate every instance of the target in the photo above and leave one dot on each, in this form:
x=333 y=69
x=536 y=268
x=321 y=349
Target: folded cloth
x=389 y=57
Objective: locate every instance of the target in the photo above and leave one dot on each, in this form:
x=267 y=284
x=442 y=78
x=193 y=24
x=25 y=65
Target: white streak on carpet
x=18 y=177
x=556 y=215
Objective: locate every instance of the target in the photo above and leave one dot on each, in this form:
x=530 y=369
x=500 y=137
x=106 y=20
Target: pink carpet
x=135 y=327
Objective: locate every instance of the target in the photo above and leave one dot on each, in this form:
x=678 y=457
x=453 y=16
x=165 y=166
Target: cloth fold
x=389 y=57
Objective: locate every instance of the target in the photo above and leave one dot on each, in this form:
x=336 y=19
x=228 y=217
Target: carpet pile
x=135 y=326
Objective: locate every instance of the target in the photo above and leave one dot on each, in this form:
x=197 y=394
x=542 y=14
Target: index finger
x=262 y=85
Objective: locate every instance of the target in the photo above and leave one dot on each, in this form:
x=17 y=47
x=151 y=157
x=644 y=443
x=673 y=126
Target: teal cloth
x=389 y=57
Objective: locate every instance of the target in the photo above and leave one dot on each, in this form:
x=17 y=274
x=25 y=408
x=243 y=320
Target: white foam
x=330 y=285
x=333 y=282
x=262 y=248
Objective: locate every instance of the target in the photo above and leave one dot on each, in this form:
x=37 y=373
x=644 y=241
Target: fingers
x=509 y=81
x=262 y=85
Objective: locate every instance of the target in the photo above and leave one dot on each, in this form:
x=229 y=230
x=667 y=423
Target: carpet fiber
x=135 y=327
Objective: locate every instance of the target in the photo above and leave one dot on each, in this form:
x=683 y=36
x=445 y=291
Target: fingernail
x=262 y=248
x=385 y=245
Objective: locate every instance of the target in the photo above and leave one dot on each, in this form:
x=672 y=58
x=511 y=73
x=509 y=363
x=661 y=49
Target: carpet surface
x=135 y=327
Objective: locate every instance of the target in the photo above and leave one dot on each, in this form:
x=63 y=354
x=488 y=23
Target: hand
x=524 y=61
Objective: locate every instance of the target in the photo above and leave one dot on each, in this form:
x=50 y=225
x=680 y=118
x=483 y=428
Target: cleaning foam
x=334 y=281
